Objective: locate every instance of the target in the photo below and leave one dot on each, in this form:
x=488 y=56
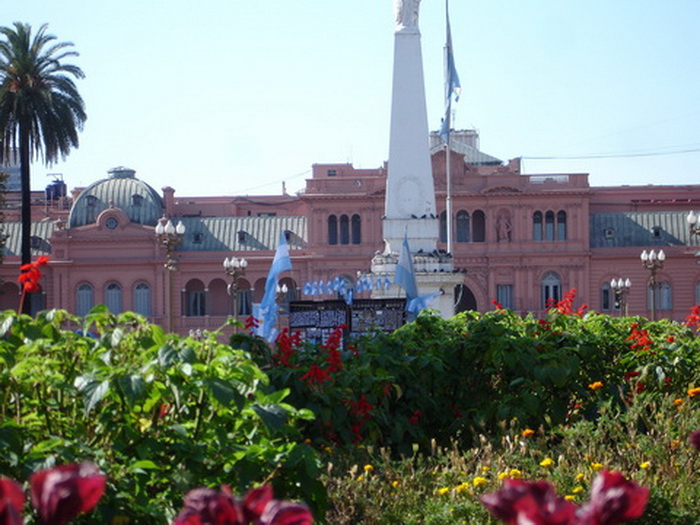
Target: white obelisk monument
x=410 y=190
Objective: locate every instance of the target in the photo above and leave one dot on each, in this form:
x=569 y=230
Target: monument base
x=434 y=273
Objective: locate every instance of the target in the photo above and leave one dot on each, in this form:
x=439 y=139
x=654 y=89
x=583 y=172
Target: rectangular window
x=504 y=295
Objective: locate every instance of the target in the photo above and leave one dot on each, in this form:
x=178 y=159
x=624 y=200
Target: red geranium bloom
x=61 y=493
x=11 y=502
x=614 y=500
x=526 y=502
x=210 y=507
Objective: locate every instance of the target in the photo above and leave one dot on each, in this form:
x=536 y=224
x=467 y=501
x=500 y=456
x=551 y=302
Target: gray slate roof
x=40 y=231
x=258 y=233
x=643 y=229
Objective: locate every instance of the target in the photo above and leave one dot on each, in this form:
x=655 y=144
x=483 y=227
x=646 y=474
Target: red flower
x=210 y=507
x=315 y=375
x=640 y=338
x=630 y=375
x=11 y=502
x=61 y=493
x=255 y=501
x=361 y=408
x=415 y=418
x=286 y=513
x=693 y=320
x=614 y=500
x=694 y=439
x=496 y=304
x=536 y=503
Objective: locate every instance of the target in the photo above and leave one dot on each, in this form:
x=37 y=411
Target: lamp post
x=653 y=262
x=693 y=223
x=234 y=268
x=621 y=288
x=168 y=235
x=280 y=298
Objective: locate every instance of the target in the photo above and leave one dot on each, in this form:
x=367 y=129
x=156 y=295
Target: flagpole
x=448 y=118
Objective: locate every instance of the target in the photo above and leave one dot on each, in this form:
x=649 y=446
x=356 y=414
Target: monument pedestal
x=434 y=272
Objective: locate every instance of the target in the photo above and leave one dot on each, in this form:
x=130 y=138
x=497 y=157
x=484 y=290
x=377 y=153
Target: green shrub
x=158 y=413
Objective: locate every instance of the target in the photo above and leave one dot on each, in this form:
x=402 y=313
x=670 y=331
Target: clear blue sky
x=225 y=97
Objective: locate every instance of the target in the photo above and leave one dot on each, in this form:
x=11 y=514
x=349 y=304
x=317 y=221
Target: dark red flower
x=11 y=502
x=210 y=507
x=315 y=375
x=286 y=513
x=61 y=493
x=614 y=500
x=694 y=439
x=255 y=502
x=534 y=503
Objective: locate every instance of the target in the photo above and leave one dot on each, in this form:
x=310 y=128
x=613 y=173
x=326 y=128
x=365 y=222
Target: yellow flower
x=368 y=468
x=307 y=441
x=596 y=385
x=479 y=481
x=546 y=462
x=442 y=491
x=578 y=489
x=502 y=476
x=597 y=466
x=569 y=497
x=515 y=473
x=580 y=476
x=461 y=487
x=485 y=469
x=677 y=402
x=360 y=478
x=692 y=392
x=675 y=443
x=395 y=484
x=328 y=450
x=528 y=432
x=645 y=465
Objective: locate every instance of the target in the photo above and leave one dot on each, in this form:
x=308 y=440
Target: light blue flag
x=268 y=305
x=405 y=275
x=452 y=85
x=314 y=288
x=421 y=302
x=307 y=289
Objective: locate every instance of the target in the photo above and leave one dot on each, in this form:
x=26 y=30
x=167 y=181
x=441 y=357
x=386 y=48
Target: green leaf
x=93 y=391
x=273 y=416
x=116 y=336
x=132 y=386
x=223 y=392
x=144 y=464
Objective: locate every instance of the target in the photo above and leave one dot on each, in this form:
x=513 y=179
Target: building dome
x=141 y=203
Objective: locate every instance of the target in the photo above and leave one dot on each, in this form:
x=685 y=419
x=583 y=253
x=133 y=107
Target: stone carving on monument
x=406 y=14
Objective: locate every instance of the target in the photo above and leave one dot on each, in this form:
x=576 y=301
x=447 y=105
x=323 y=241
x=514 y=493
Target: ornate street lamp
x=281 y=297
x=234 y=268
x=653 y=262
x=169 y=236
x=621 y=288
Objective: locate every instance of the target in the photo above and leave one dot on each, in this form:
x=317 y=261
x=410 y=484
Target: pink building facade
x=519 y=239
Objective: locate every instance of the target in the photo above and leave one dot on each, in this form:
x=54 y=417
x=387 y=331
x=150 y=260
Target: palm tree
x=41 y=110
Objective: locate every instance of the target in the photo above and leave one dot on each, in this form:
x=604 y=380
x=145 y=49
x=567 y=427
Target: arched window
x=549 y=226
x=195 y=299
x=344 y=229
x=443 y=226
x=356 y=229
x=537 y=226
x=550 y=289
x=113 y=298
x=84 y=299
x=607 y=298
x=561 y=225
x=332 y=230
x=478 y=226
x=244 y=298
x=697 y=292
x=142 y=299
x=663 y=297
x=462 y=226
